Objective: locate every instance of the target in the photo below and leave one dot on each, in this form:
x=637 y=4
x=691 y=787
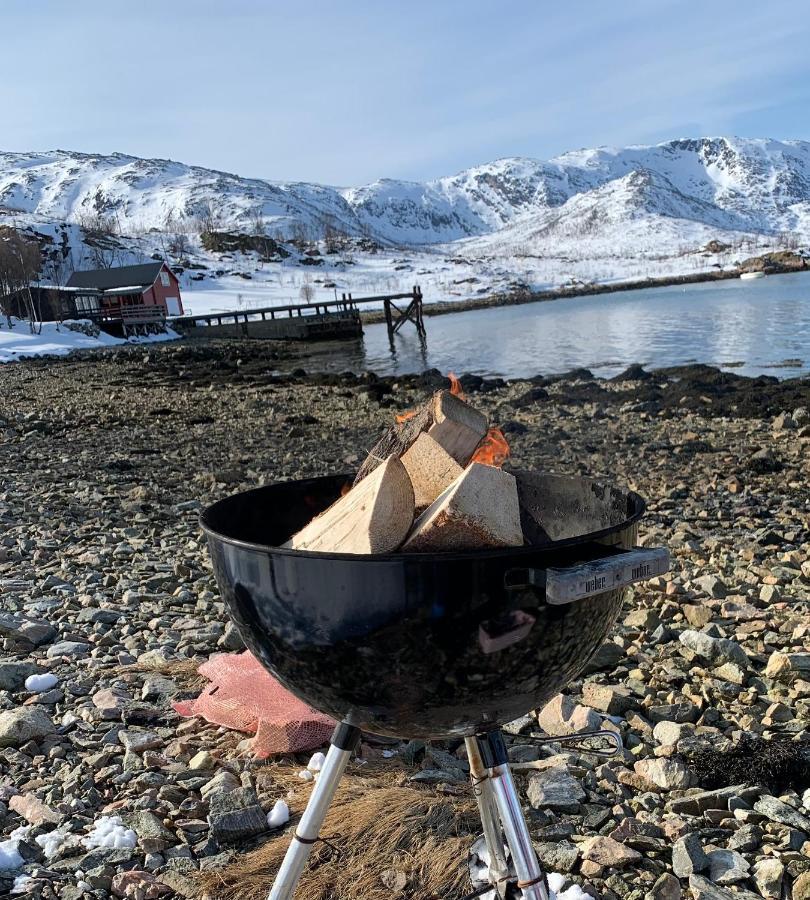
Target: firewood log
x=430 y=468
x=374 y=517
x=479 y=509
x=453 y=424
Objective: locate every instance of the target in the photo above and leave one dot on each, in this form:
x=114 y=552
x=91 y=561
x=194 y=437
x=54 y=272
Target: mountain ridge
x=732 y=184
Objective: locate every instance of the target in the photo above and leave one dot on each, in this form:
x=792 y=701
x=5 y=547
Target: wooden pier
x=324 y=319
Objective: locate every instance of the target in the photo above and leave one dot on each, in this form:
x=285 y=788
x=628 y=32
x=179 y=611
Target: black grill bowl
x=417 y=645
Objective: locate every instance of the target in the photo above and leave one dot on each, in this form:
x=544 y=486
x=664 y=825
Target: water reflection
x=760 y=324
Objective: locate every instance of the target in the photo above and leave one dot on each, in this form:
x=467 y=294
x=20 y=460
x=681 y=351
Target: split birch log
x=430 y=468
x=479 y=509
x=453 y=424
x=374 y=517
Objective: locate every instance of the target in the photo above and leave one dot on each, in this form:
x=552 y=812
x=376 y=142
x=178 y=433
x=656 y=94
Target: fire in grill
x=438 y=596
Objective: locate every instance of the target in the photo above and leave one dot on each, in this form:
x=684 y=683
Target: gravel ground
x=105 y=584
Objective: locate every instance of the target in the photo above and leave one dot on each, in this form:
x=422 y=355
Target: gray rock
x=439 y=776
x=13 y=674
x=235 y=815
x=26 y=723
x=71 y=649
x=615 y=700
x=555 y=789
x=688 y=856
x=667 y=773
x=768 y=876
x=153 y=836
x=699 y=642
x=666 y=887
x=727 y=866
x=777 y=811
x=697 y=803
x=702 y=889
x=713 y=586
x=746 y=838
x=558 y=856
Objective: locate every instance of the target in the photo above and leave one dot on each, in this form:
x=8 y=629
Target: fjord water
x=751 y=327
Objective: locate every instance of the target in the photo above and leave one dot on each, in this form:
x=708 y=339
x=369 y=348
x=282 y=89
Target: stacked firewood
x=433 y=482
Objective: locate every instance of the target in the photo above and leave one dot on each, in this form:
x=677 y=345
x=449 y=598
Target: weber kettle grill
x=431 y=645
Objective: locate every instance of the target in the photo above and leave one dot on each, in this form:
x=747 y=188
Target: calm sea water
x=751 y=327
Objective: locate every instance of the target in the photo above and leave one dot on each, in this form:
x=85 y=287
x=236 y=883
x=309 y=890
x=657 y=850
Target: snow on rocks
x=110 y=832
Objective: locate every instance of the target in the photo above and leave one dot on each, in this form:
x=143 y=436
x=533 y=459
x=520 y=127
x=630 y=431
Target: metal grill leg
x=531 y=878
x=482 y=788
x=343 y=743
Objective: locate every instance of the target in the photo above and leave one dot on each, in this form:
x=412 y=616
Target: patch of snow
x=279 y=815
x=43 y=682
x=53 y=841
x=19 y=884
x=574 y=892
x=10 y=858
x=316 y=762
x=306 y=775
x=17 y=342
x=110 y=831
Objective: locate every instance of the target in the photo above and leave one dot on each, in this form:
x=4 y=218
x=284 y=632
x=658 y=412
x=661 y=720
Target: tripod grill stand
x=498 y=805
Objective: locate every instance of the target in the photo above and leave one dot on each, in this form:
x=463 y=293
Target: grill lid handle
x=589 y=578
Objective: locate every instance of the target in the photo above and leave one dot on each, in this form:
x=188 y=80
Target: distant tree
x=20 y=264
x=307 y=292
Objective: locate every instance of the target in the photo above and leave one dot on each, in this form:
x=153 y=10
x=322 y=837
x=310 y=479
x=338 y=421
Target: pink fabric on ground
x=244 y=696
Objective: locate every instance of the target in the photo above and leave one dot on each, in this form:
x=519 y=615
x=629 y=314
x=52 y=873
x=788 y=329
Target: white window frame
x=164 y=278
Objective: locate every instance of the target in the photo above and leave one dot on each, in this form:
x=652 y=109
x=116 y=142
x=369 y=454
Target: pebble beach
x=108 y=604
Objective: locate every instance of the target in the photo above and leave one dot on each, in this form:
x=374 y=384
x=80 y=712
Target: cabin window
x=164 y=279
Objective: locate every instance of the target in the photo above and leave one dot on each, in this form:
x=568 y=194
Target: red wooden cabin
x=127 y=298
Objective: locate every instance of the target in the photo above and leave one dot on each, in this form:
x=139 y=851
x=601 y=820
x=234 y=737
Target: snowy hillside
x=589 y=215
x=731 y=183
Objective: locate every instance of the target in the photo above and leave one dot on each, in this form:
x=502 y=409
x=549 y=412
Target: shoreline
x=442 y=307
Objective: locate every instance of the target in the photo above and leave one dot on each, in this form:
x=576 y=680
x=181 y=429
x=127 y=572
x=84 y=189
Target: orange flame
x=455 y=386
x=403 y=417
x=493 y=449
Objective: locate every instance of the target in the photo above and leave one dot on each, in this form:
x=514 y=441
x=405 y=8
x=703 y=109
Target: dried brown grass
x=379 y=829
x=183 y=671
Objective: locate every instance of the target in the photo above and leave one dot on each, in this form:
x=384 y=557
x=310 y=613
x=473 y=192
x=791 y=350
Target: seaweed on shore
x=780 y=764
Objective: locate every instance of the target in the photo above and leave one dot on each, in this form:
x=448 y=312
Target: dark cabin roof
x=123 y=276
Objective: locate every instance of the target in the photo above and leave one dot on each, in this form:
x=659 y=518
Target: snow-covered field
x=18 y=342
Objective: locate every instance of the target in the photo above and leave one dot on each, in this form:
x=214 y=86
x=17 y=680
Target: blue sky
x=347 y=92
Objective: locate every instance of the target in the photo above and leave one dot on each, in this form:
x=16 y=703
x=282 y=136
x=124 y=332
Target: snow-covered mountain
x=693 y=187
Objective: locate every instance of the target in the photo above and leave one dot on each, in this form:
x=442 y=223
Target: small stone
x=727 y=866
x=699 y=642
x=646 y=619
x=668 y=733
x=235 y=815
x=606 y=852
x=26 y=723
x=71 y=649
x=777 y=811
x=555 y=789
x=559 y=856
x=702 y=889
x=769 y=593
x=768 y=875
x=688 y=856
x=801 y=887
x=614 y=700
x=13 y=674
x=153 y=836
x=561 y=715
x=666 y=887
x=202 y=761
x=697 y=616
x=669 y=774
x=713 y=586
x=34 y=810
